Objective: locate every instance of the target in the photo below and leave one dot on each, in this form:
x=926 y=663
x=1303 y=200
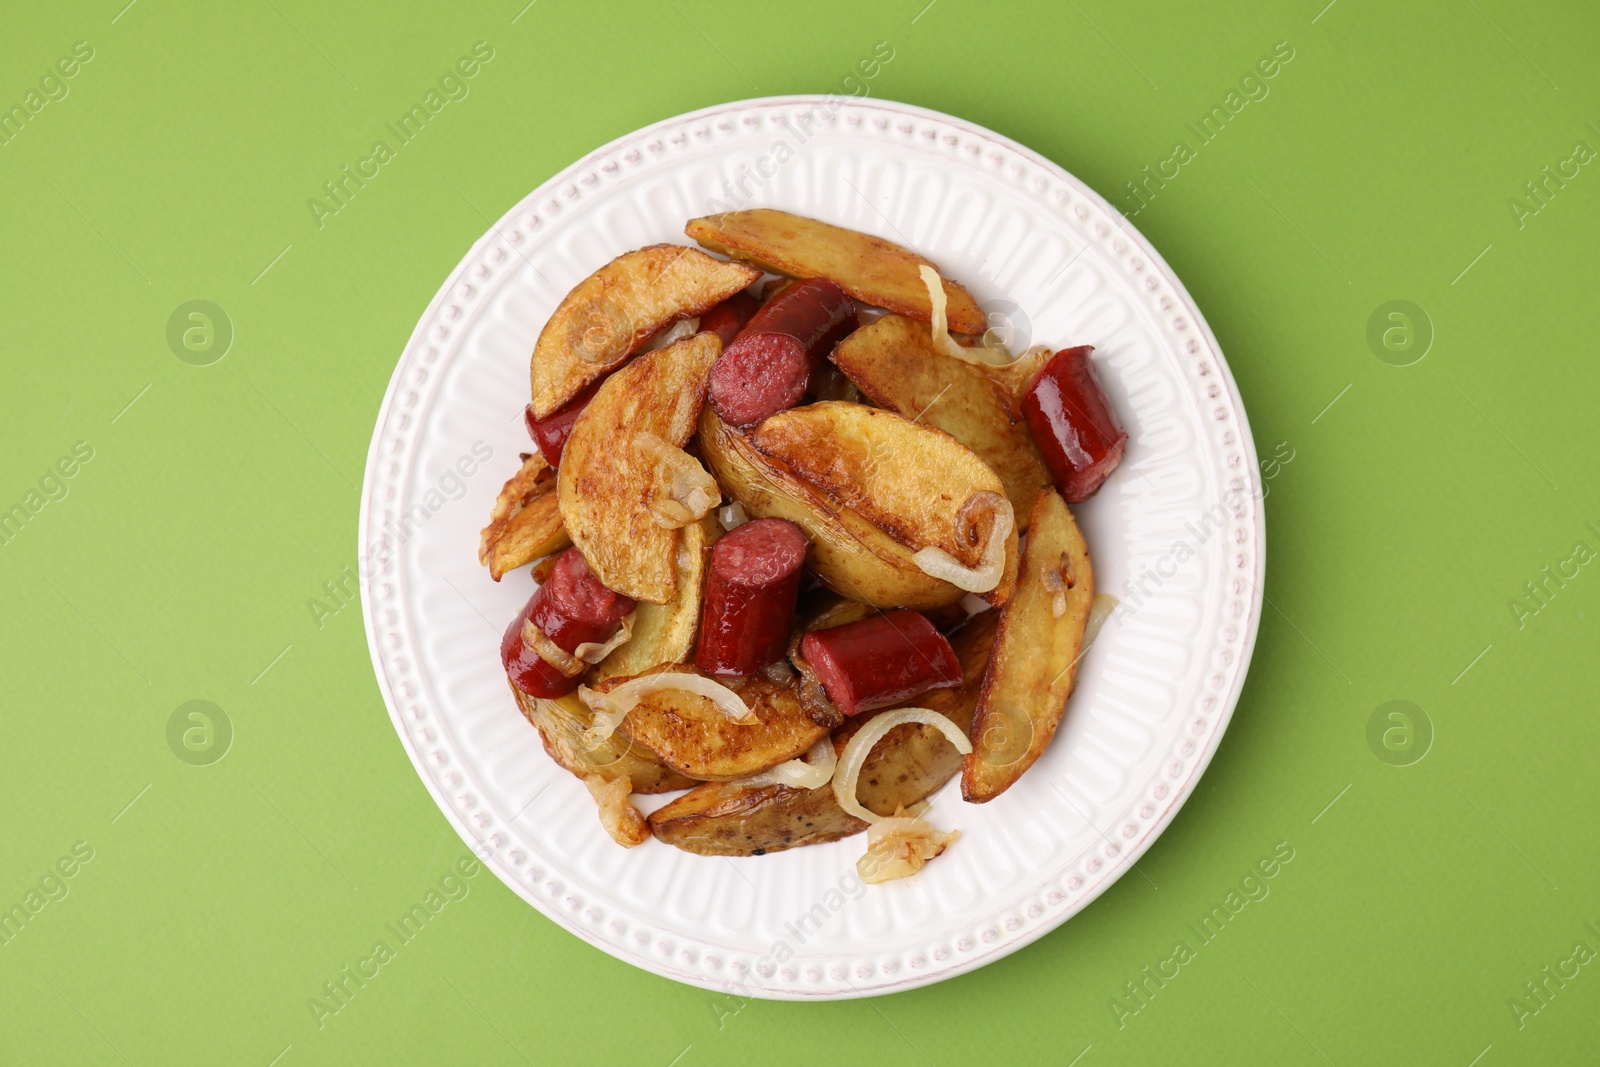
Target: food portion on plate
x=803 y=546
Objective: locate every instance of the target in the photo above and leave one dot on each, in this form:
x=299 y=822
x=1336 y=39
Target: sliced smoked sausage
x=571 y=608
x=766 y=368
x=1072 y=423
x=881 y=661
x=752 y=583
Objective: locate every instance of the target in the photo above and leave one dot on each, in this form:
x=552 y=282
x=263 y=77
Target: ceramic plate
x=1177 y=533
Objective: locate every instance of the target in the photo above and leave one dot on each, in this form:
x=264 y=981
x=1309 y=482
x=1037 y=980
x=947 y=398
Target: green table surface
x=1432 y=526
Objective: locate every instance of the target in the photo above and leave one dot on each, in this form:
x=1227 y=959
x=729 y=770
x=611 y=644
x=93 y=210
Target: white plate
x=1182 y=512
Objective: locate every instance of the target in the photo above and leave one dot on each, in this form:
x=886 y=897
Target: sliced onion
x=611 y=708
x=732 y=516
x=1100 y=609
x=684 y=490
x=942 y=341
x=860 y=746
x=550 y=652
x=778 y=671
x=595 y=651
x=900 y=846
x=813 y=772
x=937 y=563
x=620 y=818
x=1020 y=372
x=673 y=334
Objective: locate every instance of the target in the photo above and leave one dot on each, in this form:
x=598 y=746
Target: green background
x=179 y=564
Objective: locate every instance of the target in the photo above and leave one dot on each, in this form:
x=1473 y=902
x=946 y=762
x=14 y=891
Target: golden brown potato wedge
x=612 y=312
x=893 y=361
x=665 y=633
x=526 y=521
x=847 y=552
x=687 y=733
x=914 y=483
x=1036 y=652
x=872 y=270
x=561 y=723
x=616 y=468
x=911 y=762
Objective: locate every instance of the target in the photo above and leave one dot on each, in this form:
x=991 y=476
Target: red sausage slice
x=881 y=661
x=751 y=588
x=1072 y=423
x=570 y=608
x=728 y=318
x=766 y=368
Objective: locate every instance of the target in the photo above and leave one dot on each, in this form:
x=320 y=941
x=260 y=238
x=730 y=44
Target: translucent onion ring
x=812 y=772
x=611 y=708
x=855 y=753
x=935 y=562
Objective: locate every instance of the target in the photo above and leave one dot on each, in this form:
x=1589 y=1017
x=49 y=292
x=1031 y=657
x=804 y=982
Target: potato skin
x=912 y=761
x=1035 y=661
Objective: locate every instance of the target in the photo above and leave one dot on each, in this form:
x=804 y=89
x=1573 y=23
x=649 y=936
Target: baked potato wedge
x=665 y=633
x=893 y=362
x=526 y=521
x=872 y=270
x=911 y=762
x=561 y=723
x=916 y=484
x=619 y=466
x=1036 y=651
x=609 y=314
x=688 y=734
x=847 y=552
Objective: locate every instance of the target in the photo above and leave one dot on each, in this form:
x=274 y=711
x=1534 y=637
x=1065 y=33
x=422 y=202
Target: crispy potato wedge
x=614 y=467
x=561 y=723
x=1036 y=651
x=911 y=762
x=893 y=362
x=665 y=633
x=908 y=480
x=872 y=270
x=847 y=552
x=611 y=313
x=526 y=521
x=688 y=734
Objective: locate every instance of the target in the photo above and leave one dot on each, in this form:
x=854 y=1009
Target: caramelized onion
x=620 y=818
x=937 y=563
x=942 y=341
x=550 y=652
x=899 y=846
x=684 y=490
